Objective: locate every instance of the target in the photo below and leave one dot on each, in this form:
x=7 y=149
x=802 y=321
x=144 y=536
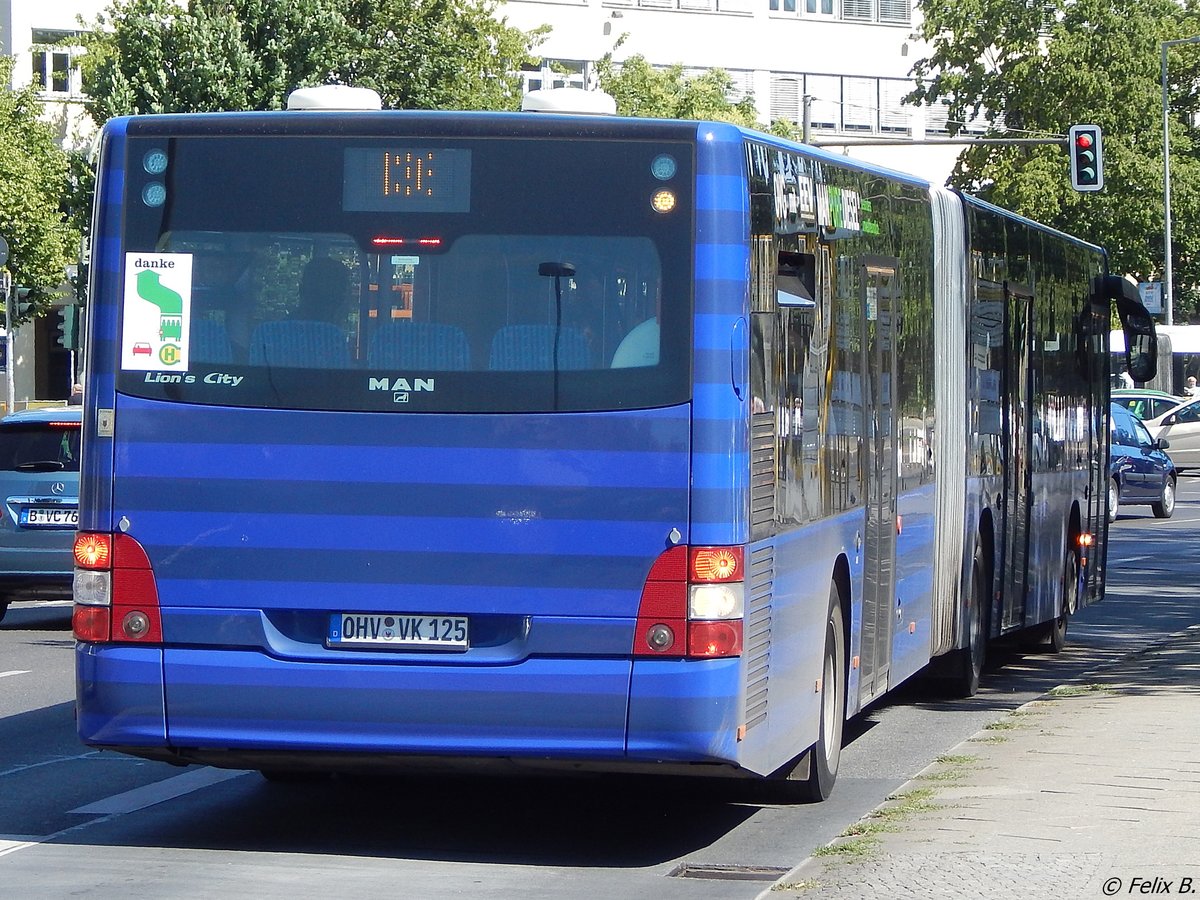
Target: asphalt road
x=74 y=821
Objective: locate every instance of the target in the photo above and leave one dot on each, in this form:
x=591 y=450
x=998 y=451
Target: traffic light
x=67 y=323
x=21 y=301
x=1087 y=158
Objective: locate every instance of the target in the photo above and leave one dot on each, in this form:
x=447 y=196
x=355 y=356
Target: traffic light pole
x=8 y=341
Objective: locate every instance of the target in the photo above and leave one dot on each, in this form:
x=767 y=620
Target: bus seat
x=419 y=345
x=299 y=343
x=209 y=342
x=639 y=347
x=531 y=348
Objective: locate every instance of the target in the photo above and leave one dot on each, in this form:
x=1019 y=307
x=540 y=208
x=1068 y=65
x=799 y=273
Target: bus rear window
x=407 y=276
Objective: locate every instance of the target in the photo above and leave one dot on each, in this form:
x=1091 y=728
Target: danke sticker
x=157 y=312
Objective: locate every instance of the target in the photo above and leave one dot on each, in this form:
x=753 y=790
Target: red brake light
x=90 y=623
x=714 y=639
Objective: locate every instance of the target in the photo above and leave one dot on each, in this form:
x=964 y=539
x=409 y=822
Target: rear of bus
x=411 y=437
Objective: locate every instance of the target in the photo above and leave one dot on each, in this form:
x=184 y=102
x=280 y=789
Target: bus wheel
x=972 y=657
x=1056 y=631
x=3 y=609
x=826 y=753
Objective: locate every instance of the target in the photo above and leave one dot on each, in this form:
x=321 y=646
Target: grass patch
x=960 y=759
x=858 y=847
x=990 y=739
x=1002 y=725
x=903 y=805
x=1079 y=690
x=944 y=775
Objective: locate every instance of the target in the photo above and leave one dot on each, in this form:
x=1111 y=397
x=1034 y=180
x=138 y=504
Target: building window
x=890 y=12
x=897 y=12
x=862 y=10
x=843 y=103
x=56 y=61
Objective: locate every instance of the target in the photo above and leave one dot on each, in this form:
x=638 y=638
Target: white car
x=1180 y=425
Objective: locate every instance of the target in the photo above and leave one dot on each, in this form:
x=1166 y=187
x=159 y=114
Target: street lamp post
x=1168 y=287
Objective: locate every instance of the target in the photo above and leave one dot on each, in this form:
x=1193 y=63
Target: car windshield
x=39 y=447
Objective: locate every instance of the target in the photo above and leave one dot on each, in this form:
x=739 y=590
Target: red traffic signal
x=1087 y=164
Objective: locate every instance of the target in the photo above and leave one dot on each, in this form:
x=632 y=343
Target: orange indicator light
x=92 y=551
x=663 y=201
x=716 y=564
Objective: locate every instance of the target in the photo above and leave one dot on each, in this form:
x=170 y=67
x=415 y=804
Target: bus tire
x=826 y=753
x=971 y=658
x=3 y=609
x=1051 y=637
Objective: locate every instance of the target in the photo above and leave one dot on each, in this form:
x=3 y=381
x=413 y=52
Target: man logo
x=400 y=385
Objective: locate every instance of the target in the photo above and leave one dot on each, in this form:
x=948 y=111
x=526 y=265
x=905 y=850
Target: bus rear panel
x=392 y=437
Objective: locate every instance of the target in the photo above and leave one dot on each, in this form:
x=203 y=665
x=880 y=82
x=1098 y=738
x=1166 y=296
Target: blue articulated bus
x=536 y=439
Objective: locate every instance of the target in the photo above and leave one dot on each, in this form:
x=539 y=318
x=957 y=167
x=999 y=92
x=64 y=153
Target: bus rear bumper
x=119 y=695
x=246 y=700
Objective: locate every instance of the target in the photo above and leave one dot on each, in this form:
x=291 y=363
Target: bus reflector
x=692 y=604
x=128 y=611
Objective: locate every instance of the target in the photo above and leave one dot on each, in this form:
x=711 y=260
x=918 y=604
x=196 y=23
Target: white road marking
x=13 y=842
x=159 y=792
x=120 y=804
x=14 y=672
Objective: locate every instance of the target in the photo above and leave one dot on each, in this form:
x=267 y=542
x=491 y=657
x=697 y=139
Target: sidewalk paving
x=1091 y=791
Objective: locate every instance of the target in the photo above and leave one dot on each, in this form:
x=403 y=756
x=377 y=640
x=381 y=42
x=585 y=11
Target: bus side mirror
x=1141 y=342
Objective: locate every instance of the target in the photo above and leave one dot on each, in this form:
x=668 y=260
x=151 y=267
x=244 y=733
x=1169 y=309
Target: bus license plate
x=351 y=631
x=49 y=517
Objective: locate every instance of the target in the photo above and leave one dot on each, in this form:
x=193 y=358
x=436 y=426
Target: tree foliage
x=1033 y=70
x=154 y=56
x=34 y=175
x=640 y=89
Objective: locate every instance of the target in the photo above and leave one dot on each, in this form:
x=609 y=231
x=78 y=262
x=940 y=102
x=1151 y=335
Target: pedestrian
x=76 y=398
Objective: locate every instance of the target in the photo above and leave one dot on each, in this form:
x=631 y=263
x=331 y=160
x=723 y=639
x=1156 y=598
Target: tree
x=437 y=54
x=640 y=89
x=153 y=56
x=1034 y=69
x=33 y=191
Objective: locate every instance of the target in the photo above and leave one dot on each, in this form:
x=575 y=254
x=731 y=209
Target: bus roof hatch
x=334 y=97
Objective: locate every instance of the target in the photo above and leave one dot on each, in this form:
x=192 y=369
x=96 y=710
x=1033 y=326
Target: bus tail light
x=692 y=605
x=116 y=597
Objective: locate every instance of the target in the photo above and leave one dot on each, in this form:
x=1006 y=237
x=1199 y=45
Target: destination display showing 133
x=406 y=179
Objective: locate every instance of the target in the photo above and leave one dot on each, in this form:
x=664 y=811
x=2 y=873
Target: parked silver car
x=39 y=489
x=1181 y=426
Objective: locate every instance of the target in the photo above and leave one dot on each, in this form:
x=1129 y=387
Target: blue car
x=39 y=503
x=1139 y=471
